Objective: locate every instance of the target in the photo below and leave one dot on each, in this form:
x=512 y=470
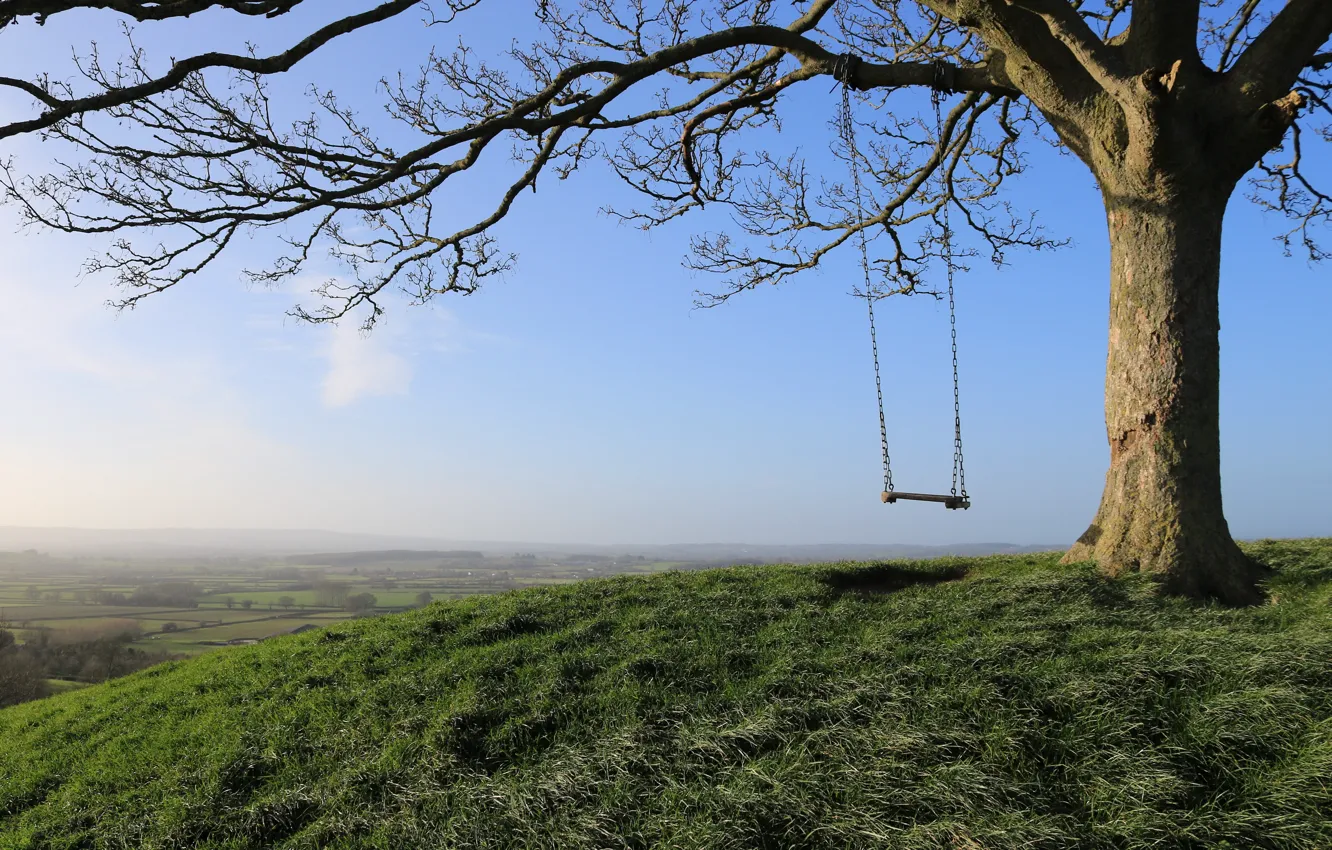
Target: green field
x=189 y=618
x=1003 y=702
x=195 y=641
x=252 y=629
x=261 y=597
x=396 y=598
x=94 y=622
x=12 y=592
x=52 y=611
x=200 y=622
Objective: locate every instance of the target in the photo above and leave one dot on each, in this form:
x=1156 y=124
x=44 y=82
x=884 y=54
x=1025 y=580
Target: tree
x=1169 y=103
x=230 y=602
x=424 y=598
x=170 y=627
x=33 y=592
x=21 y=680
x=247 y=604
x=360 y=603
x=330 y=594
x=286 y=601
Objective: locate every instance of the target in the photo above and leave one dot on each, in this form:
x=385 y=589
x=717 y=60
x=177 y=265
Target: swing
x=956 y=498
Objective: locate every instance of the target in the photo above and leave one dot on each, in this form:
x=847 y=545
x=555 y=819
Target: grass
x=972 y=703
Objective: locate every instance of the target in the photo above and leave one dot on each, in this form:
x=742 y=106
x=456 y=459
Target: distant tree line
x=361 y=603
x=171 y=594
x=374 y=558
x=86 y=655
x=21 y=678
x=330 y=594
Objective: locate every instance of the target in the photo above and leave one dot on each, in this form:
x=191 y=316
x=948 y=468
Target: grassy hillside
x=990 y=703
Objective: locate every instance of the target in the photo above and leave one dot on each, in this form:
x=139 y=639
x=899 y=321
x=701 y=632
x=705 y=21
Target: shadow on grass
x=888 y=578
x=1108 y=593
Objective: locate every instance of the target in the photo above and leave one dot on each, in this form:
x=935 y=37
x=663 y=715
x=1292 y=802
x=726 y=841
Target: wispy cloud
x=361 y=365
x=123 y=419
x=51 y=324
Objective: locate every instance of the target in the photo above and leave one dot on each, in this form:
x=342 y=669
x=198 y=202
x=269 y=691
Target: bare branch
x=1270 y=65
x=36 y=91
x=1072 y=31
x=63 y=109
x=1238 y=26
x=140 y=10
x=666 y=92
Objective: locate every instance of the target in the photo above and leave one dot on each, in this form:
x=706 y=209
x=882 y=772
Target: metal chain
x=959 y=473
x=878 y=388
x=847 y=129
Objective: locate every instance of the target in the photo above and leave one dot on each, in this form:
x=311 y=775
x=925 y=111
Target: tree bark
x=1161 y=509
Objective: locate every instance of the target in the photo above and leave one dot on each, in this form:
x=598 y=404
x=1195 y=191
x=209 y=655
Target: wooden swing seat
x=952 y=503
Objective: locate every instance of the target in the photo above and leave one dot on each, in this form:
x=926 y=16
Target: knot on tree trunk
x=1160 y=81
x=1277 y=117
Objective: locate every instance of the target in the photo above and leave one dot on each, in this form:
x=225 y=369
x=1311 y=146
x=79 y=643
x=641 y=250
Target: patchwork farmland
x=183 y=607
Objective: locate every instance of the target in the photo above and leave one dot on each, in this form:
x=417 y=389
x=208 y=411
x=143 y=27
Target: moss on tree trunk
x=1161 y=510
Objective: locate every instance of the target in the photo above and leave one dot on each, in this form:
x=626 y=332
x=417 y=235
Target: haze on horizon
x=582 y=399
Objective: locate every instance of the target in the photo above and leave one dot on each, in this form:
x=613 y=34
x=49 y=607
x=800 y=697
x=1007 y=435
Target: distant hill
x=811 y=553
x=1000 y=702
x=379 y=556
x=224 y=542
x=197 y=542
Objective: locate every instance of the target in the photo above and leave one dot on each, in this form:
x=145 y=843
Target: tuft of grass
x=995 y=702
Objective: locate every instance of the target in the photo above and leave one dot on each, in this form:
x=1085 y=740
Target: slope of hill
x=989 y=703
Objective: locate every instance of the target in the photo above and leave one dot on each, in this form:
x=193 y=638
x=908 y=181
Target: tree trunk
x=1161 y=509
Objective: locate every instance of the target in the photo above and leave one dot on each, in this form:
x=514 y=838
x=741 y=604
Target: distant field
x=189 y=618
x=192 y=641
x=92 y=623
x=396 y=598
x=257 y=584
x=18 y=590
x=56 y=611
x=173 y=645
x=259 y=629
x=261 y=597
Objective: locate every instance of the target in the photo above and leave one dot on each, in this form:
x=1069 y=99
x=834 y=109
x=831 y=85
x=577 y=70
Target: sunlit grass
x=996 y=702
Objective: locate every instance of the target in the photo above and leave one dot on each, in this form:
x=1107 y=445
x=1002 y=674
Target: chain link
x=959 y=472
x=878 y=388
x=847 y=129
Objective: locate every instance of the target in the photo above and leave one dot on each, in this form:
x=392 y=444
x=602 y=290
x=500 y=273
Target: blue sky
x=583 y=398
